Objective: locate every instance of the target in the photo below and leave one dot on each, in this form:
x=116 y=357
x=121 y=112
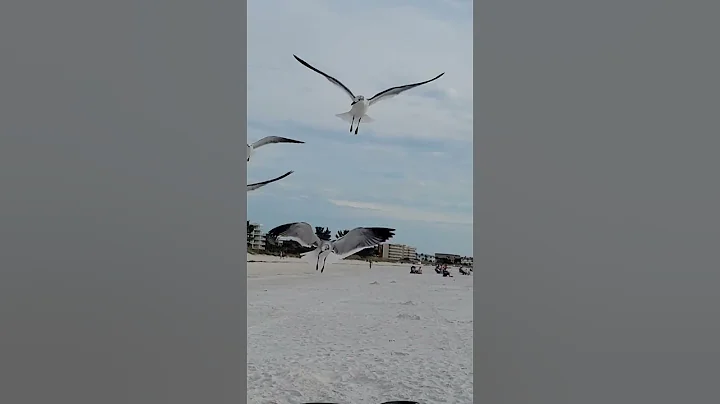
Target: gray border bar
x=596 y=202
x=122 y=265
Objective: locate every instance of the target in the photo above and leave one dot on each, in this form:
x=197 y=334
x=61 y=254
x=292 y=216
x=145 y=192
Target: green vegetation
x=291 y=248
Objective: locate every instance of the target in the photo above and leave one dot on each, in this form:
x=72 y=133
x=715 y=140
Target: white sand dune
x=357 y=335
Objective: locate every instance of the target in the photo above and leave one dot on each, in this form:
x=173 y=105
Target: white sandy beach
x=357 y=335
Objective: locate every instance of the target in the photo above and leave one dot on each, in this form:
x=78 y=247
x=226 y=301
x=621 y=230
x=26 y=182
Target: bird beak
x=353 y=103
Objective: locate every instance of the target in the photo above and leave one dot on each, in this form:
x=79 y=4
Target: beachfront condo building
x=398 y=252
x=257 y=241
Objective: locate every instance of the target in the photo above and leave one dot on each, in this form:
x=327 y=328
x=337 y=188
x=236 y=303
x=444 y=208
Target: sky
x=410 y=169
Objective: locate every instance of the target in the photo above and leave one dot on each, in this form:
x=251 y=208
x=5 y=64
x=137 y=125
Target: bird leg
x=323 y=267
x=351 y=123
x=358 y=125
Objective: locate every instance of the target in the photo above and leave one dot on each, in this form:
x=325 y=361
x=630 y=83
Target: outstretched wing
x=252 y=187
x=393 y=91
x=301 y=232
x=361 y=238
x=273 y=139
x=327 y=76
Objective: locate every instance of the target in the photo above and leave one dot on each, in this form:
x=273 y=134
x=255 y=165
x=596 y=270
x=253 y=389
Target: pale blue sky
x=411 y=169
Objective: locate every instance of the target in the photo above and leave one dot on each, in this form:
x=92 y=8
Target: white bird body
x=354 y=241
x=320 y=254
x=360 y=105
x=357 y=112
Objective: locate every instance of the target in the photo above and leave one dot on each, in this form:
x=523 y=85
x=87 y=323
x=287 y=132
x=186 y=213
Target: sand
x=357 y=335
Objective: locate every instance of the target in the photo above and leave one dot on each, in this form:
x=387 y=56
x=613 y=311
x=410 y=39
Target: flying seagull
x=360 y=105
x=268 y=140
x=356 y=240
x=252 y=187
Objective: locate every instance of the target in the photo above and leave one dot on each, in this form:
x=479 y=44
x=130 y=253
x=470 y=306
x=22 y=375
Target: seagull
x=360 y=105
x=356 y=240
x=252 y=187
x=267 y=140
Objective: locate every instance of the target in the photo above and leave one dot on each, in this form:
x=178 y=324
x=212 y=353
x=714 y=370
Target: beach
x=357 y=335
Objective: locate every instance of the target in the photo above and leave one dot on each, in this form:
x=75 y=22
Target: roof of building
x=446 y=255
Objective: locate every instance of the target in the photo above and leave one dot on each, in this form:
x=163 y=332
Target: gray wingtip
x=276 y=231
x=288 y=140
x=270 y=180
x=283 y=176
x=383 y=233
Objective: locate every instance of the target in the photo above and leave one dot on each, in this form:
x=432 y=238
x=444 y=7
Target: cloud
x=413 y=163
x=404 y=213
x=400 y=44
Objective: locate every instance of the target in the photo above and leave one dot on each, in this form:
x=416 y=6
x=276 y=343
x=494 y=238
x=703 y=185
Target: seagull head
x=357 y=99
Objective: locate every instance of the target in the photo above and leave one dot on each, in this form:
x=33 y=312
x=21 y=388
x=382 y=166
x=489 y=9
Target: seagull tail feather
x=346 y=116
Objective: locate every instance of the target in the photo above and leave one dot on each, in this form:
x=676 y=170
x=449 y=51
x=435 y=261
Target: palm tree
x=250 y=230
x=341 y=233
x=323 y=233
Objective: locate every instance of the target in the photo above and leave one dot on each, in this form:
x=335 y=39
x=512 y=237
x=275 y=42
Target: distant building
x=257 y=240
x=466 y=261
x=447 y=258
x=426 y=258
x=397 y=252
